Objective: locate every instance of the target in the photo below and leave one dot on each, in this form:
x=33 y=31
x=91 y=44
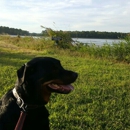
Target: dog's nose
x=75 y=75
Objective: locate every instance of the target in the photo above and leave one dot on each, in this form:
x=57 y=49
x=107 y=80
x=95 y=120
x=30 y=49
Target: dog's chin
x=58 y=88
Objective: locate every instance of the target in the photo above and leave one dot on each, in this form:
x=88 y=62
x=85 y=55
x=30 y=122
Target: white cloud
x=96 y=15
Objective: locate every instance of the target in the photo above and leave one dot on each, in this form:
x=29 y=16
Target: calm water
x=97 y=41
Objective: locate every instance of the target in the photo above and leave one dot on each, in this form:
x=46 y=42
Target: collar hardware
x=22 y=104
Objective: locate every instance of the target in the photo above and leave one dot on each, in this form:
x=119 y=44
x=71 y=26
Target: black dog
x=37 y=79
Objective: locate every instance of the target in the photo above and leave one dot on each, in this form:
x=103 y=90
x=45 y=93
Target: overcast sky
x=71 y=15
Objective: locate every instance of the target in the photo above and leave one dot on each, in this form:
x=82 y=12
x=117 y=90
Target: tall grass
x=28 y=42
x=116 y=51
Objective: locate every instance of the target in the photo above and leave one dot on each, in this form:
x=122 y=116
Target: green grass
x=101 y=99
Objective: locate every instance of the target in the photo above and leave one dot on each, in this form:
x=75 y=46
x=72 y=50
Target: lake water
x=97 y=41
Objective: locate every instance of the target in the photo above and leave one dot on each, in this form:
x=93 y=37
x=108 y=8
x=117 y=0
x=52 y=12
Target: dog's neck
x=24 y=106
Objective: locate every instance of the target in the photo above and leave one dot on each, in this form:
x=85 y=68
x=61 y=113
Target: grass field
x=101 y=99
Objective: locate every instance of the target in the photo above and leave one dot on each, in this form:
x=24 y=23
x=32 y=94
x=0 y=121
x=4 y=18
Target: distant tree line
x=97 y=34
x=12 y=31
x=73 y=34
x=93 y=34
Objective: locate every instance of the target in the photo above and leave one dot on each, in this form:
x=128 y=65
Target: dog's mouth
x=60 y=88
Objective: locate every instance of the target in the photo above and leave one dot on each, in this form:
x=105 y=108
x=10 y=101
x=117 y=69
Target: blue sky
x=71 y=15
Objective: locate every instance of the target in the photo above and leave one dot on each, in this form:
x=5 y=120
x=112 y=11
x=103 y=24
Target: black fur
x=32 y=77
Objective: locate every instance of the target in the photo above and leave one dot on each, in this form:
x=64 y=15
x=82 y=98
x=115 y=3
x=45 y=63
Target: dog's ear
x=21 y=74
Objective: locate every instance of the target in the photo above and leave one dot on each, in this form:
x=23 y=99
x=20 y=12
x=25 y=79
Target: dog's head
x=41 y=76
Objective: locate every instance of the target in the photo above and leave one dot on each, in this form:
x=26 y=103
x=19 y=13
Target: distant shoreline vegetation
x=73 y=34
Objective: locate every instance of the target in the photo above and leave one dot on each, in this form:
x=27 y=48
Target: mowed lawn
x=100 y=101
